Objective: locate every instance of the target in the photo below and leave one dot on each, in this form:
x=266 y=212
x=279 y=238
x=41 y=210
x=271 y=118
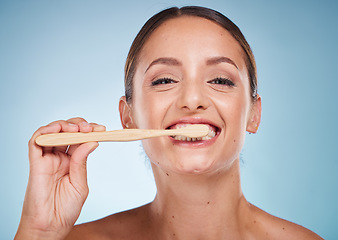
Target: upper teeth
x=210 y=135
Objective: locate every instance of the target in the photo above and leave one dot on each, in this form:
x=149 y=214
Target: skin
x=57 y=181
x=198 y=184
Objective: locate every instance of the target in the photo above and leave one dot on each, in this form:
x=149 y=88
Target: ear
x=125 y=113
x=255 y=116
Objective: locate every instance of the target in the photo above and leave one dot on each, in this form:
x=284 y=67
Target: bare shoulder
x=130 y=224
x=272 y=227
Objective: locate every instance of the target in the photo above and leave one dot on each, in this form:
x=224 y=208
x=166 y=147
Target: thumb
x=78 y=166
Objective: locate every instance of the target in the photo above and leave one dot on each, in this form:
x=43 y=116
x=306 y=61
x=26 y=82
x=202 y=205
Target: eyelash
x=222 y=81
x=218 y=80
x=162 y=81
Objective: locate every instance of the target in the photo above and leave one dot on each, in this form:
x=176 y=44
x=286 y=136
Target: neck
x=199 y=206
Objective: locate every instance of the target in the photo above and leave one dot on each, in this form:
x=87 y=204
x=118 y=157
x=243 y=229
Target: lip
x=195 y=120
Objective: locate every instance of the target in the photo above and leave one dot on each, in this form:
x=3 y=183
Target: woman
x=186 y=66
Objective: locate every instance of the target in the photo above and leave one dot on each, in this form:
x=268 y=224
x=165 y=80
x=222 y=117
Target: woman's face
x=191 y=71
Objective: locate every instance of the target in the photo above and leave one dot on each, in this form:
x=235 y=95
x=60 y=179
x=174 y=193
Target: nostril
x=192 y=98
x=192 y=107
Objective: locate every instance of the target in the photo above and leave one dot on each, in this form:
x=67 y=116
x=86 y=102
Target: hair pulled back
x=171 y=13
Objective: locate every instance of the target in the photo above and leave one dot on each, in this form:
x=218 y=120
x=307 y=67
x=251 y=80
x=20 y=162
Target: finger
x=72 y=148
x=36 y=151
x=54 y=127
x=84 y=126
x=64 y=127
x=76 y=120
x=62 y=149
x=71 y=125
x=97 y=127
x=78 y=166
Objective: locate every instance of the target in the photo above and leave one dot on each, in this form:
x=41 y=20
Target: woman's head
x=171 y=13
x=190 y=70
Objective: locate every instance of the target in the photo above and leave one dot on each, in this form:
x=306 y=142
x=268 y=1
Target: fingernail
x=72 y=124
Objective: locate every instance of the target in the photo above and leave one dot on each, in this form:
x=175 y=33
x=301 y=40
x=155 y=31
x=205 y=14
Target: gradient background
x=62 y=59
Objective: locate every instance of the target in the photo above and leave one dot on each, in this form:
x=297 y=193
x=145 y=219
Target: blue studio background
x=62 y=59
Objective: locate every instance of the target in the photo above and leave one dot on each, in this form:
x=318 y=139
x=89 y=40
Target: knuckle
x=76 y=120
x=30 y=142
x=56 y=122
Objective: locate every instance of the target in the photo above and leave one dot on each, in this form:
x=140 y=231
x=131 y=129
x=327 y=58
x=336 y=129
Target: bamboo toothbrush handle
x=62 y=139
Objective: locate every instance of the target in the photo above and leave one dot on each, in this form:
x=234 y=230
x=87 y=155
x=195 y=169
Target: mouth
x=213 y=132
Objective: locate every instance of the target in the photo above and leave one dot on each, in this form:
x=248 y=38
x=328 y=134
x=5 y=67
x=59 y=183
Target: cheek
x=239 y=122
x=149 y=111
x=149 y=114
x=233 y=109
x=240 y=111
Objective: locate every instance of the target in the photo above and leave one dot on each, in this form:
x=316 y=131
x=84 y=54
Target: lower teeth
x=188 y=139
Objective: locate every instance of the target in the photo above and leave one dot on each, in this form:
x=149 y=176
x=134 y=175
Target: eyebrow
x=165 y=61
x=218 y=60
x=175 y=62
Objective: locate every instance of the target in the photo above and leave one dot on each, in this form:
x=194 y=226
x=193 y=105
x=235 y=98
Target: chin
x=194 y=166
x=199 y=166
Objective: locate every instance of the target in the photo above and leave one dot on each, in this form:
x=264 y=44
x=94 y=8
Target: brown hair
x=171 y=13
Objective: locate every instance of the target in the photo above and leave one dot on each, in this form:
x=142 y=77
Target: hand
x=57 y=186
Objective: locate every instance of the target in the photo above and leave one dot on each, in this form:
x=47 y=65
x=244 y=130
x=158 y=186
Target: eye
x=222 y=81
x=162 y=81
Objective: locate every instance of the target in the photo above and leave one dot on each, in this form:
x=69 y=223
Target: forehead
x=190 y=36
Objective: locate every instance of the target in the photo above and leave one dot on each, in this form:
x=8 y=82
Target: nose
x=192 y=97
